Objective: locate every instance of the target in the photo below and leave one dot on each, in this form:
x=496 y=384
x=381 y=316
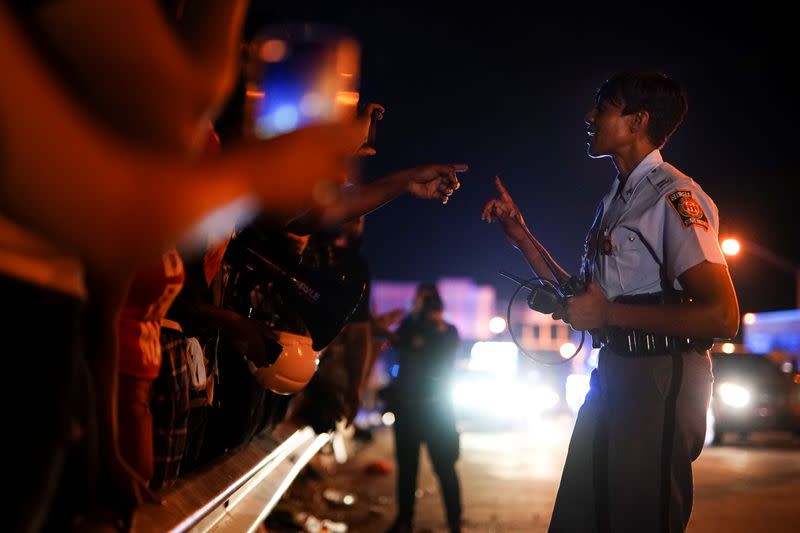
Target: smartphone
x=299 y=75
x=373 y=129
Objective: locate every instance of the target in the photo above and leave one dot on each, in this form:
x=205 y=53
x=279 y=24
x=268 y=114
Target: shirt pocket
x=633 y=261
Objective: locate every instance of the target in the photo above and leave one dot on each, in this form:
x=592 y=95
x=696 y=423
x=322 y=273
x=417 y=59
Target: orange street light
x=732 y=246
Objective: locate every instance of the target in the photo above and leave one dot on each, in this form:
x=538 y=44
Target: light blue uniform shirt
x=659 y=226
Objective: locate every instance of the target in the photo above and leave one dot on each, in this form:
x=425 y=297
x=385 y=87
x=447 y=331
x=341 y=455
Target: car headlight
x=464 y=394
x=734 y=395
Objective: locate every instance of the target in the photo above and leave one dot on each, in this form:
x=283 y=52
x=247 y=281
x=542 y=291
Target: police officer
x=657 y=290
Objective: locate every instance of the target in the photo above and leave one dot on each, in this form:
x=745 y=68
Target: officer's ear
x=639 y=121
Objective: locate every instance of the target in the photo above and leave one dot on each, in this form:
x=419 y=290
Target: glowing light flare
x=347 y=98
x=545 y=398
x=463 y=394
x=577 y=387
x=728 y=347
x=388 y=418
x=273 y=50
x=503 y=398
x=567 y=350
x=593 y=359
x=283 y=119
x=496 y=358
x=749 y=318
x=734 y=395
x=497 y=325
x=312 y=104
x=731 y=247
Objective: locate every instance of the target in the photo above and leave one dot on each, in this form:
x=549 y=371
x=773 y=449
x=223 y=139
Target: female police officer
x=656 y=286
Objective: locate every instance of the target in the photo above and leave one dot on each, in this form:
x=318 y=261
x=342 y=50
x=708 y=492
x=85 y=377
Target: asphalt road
x=509 y=481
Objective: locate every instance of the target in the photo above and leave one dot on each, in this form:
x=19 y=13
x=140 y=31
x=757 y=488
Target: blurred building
x=487 y=346
x=469 y=307
x=472 y=308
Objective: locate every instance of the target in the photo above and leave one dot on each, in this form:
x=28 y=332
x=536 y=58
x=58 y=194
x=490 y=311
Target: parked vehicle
x=753 y=392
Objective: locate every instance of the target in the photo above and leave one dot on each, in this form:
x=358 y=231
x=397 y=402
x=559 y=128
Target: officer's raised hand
x=587 y=310
x=503 y=210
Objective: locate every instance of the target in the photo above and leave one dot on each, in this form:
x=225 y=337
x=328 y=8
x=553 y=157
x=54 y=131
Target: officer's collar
x=647 y=165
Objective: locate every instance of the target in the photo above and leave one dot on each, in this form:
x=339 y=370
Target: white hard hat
x=294 y=367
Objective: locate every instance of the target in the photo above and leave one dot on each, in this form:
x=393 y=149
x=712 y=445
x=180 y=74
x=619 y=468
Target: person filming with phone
x=427 y=347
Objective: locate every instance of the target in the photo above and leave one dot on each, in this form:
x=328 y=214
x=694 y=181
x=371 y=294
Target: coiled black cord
x=526 y=284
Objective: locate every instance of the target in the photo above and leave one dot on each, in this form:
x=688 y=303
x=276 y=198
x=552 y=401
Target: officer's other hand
x=588 y=310
x=435 y=181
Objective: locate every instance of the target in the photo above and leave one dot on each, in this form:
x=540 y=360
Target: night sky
x=506 y=93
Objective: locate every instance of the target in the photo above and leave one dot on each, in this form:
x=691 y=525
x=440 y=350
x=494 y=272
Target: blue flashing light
x=285 y=118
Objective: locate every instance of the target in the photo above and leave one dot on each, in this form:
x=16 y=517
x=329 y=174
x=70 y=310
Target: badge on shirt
x=688 y=209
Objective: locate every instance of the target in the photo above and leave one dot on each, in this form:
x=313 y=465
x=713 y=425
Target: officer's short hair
x=652 y=91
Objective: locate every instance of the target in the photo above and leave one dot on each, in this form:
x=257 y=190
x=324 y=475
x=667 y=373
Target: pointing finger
x=503 y=192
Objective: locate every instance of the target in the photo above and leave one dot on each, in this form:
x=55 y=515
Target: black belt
x=636 y=342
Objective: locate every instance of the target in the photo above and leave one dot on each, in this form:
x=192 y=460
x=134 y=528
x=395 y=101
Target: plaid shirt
x=170 y=406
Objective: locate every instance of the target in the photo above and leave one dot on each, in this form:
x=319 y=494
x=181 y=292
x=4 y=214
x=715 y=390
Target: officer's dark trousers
x=629 y=464
x=433 y=424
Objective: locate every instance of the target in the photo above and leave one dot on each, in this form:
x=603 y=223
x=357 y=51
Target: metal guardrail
x=234 y=493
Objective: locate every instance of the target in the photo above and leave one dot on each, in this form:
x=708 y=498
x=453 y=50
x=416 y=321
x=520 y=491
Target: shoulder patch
x=688 y=209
